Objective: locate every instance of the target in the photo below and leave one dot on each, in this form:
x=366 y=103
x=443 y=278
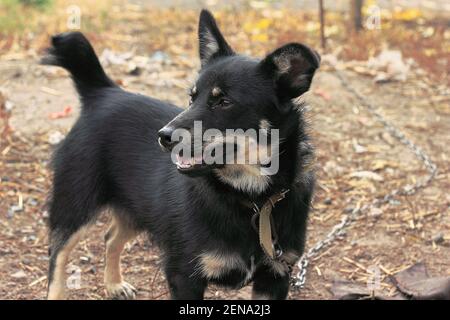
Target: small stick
x=356 y=264
x=322 y=25
x=50 y=91
x=35 y=282
x=385 y=270
x=319 y=273
x=154 y=278
x=161 y=295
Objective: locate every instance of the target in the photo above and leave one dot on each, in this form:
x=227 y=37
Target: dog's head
x=236 y=92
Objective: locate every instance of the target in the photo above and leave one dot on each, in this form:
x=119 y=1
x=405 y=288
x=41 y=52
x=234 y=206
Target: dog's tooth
x=183 y=166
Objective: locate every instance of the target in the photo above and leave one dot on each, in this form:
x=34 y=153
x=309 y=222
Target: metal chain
x=298 y=281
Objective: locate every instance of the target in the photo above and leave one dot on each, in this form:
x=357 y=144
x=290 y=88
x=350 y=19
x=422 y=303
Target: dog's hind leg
x=62 y=241
x=74 y=205
x=119 y=233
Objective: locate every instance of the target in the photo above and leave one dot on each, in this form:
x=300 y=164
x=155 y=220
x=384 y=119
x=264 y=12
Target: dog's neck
x=294 y=154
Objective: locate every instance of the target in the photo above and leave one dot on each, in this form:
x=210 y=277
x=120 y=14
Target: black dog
x=202 y=216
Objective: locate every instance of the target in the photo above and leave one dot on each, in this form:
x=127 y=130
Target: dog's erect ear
x=292 y=67
x=212 y=42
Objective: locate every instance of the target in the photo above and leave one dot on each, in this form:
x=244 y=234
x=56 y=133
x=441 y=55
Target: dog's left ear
x=292 y=67
x=212 y=42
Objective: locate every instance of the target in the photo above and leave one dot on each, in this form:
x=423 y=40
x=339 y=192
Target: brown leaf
x=416 y=284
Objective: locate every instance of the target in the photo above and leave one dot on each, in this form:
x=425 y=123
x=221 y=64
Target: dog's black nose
x=165 y=138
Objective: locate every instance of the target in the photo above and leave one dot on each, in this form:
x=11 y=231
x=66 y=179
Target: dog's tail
x=73 y=52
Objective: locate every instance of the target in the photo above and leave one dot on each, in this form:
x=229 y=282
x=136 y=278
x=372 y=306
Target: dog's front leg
x=269 y=284
x=184 y=287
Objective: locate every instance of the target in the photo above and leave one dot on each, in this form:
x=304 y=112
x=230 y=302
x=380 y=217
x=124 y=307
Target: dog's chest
x=229 y=269
x=234 y=270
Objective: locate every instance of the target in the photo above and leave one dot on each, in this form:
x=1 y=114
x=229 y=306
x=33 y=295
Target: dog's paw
x=121 y=291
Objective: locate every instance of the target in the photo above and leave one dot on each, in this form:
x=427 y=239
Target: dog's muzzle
x=165 y=139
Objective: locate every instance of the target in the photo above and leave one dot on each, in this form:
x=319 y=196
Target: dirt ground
x=392 y=238
x=347 y=138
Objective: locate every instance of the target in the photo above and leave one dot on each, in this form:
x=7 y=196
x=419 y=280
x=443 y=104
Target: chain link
x=298 y=281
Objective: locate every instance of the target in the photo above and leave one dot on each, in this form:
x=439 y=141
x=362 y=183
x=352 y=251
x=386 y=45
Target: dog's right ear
x=292 y=67
x=212 y=42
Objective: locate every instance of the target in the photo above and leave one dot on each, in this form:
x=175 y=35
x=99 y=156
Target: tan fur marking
x=214 y=264
x=57 y=288
x=119 y=235
x=264 y=124
x=216 y=91
x=243 y=177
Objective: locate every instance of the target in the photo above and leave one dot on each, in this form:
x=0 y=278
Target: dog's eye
x=223 y=102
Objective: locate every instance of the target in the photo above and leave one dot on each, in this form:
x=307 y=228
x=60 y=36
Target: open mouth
x=193 y=165
x=186 y=163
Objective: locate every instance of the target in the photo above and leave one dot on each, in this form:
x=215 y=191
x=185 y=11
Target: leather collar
x=268 y=238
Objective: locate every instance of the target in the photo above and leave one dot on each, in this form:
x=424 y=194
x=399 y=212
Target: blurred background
x=395 y=54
